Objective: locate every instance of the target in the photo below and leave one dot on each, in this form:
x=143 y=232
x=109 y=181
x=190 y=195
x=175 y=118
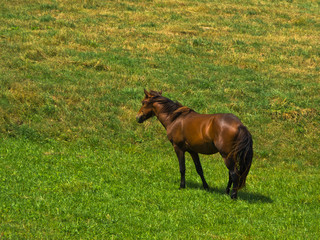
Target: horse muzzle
x=140 y=119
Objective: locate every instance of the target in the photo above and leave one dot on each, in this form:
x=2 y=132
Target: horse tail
x=242 y=154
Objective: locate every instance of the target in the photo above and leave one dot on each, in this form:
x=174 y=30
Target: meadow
x=75 y=164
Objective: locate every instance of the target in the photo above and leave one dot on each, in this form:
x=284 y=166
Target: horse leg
x=196 y=160
x=182 y=165
x=229 y=165
x=229 y=184
x=235 y=180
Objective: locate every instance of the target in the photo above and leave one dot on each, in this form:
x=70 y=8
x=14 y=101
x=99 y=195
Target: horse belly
x=203 y=147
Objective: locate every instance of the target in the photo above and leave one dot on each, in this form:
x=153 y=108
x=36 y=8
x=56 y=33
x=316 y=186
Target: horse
x=189 y=131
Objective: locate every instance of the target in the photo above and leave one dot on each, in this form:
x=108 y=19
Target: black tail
x=242 y=154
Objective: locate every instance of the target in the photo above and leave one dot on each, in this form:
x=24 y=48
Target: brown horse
x=195 y=133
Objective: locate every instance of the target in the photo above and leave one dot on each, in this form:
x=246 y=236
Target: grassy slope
x=74 y=162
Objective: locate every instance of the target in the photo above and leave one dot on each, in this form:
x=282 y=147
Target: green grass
x=75 y=164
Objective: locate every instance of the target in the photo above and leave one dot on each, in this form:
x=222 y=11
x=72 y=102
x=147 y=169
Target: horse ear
x=146 y=93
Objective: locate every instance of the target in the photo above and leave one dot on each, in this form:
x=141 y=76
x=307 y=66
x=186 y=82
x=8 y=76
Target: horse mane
x=181 y=111
x=174 y=108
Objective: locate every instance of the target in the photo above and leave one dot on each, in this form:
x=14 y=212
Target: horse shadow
x=250 y=197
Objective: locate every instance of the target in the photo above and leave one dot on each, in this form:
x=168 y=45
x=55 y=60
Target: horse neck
x=163 y=116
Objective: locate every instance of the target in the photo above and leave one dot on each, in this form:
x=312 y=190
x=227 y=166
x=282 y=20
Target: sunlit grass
x=75 y=164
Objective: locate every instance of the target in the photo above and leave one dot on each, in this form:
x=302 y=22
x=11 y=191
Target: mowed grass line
x=75 y=164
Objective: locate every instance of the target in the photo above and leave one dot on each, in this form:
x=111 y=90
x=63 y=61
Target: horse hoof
x=234 y=197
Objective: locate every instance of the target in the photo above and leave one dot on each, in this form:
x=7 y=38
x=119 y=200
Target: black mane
x=175 y=109
x=169 y=106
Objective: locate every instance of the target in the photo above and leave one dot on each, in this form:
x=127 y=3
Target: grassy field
x=74 y=164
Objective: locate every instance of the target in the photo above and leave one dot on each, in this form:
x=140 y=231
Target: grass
x=75 y=164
